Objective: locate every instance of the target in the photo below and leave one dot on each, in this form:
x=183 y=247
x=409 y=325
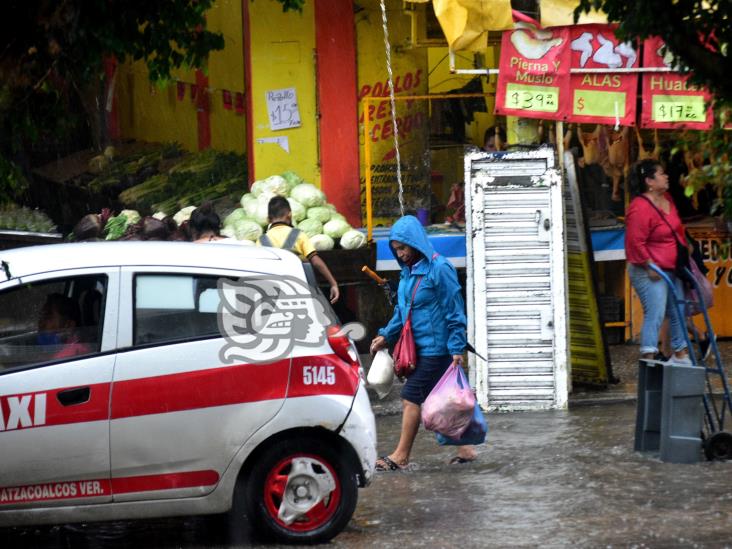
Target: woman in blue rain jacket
x=439 y=327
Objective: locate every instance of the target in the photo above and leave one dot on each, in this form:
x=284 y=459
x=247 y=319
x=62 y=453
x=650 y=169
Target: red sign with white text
x=669 y=100
x=602 y=97
x=534 y=73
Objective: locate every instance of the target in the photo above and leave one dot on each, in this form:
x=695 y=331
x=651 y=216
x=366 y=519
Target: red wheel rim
x=274 y=489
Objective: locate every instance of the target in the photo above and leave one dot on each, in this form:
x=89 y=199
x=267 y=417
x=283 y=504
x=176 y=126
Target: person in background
x=91 y=226
x=150 y=228
x=439 y=325
x=204 y=224
x=281 y=234
x=652 y=229
x=494 y=139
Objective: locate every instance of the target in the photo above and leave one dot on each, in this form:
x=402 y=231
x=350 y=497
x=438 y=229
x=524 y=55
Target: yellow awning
x=556 y=13
x=466 y=23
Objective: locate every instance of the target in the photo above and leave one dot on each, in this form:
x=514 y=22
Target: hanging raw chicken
x=591 y=147
x=643 y=154
x=618 y=153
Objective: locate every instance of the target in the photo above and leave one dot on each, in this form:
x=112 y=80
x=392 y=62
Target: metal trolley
x=716 y=442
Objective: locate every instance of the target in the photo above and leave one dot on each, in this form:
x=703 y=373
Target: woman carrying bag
x=429 y=291
x=654 y=235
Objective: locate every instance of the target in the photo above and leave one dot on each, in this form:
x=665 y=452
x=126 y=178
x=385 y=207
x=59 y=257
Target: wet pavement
x=554 y=479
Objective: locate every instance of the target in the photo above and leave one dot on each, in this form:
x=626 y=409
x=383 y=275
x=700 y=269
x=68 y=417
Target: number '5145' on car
x=150 y=379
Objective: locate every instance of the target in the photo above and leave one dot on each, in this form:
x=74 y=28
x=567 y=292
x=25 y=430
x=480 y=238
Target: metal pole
x=367 y=170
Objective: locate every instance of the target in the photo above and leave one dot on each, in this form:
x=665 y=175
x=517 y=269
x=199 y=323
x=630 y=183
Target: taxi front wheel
x=301 y=491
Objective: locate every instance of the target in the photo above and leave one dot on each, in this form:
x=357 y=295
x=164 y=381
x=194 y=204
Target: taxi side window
x=51 y=321
x=171 y=308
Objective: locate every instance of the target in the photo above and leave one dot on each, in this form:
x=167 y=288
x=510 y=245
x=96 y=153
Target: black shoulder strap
x=660 y=213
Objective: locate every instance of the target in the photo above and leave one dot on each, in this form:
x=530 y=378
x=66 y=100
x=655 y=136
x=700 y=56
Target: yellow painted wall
x=155 y=114
x=226 y=72
x=282 y=55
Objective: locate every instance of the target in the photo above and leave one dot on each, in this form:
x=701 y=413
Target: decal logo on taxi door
x=22 y=411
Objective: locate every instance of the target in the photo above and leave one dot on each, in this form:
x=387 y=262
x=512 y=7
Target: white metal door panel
x=178 y=414
x=55 y=450
x=516 y=280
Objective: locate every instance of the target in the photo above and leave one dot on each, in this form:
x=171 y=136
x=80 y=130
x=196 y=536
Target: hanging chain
x=387 y=47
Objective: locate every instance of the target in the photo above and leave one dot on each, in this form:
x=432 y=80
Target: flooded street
x=551 y=479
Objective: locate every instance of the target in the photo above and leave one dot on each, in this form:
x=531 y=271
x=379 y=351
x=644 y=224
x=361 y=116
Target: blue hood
x=409 y=231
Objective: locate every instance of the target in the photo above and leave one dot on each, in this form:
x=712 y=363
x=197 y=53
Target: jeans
x=657 y=304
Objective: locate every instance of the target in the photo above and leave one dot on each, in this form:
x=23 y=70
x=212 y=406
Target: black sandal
x=387 y=464
x=459 y=460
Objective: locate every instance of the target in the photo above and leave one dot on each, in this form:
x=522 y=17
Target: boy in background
x=281 y=234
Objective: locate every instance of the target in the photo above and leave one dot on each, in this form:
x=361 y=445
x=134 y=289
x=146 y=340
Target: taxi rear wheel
x=301 y=491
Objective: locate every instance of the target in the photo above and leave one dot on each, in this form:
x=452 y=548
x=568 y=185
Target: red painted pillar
x=110 y=97
x=335 y=45
x=248 y=108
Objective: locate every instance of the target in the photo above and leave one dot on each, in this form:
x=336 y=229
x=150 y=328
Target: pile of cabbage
x=311 y=213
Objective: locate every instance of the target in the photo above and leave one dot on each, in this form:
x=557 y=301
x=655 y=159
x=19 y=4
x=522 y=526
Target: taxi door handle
x=78 y=395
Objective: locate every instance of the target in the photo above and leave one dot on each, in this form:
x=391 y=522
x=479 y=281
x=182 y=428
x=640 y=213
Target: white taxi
x=150 y=379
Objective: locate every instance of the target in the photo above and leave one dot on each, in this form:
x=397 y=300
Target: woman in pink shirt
x=651 y=221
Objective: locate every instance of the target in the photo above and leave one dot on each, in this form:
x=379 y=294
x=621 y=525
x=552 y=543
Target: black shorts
x=424 y=378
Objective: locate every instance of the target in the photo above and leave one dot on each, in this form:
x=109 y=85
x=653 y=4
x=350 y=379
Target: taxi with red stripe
x=150 y=379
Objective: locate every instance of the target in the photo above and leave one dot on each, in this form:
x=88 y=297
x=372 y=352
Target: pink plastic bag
x=449 y=407
x=707 y=292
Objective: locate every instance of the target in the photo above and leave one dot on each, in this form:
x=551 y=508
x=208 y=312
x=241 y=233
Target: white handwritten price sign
x=282 y=109
x=532 y=98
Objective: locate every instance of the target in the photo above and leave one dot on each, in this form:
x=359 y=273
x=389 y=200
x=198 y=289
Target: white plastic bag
x=381 y=373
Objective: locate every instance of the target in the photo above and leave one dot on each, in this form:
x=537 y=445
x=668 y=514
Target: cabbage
x=246 y=199
x=322 y=242
x=261 y=210
x=335 y=228
x=350 y=240
x=298 y=210
x=336 y=215
x=246 y=229
x=256 y=188
x=160 y=215
x=331 y=207
x=275 y=185
x=237 y=215
x=320 y=213
x=250 y=206
x=228 y=232
x=308 y=195
x=293 y=180
x=310 y=227
x=132 y=216
x=184 y=214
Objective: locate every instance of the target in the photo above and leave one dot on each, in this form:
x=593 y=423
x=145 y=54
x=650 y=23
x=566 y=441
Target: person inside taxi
x=58 y=326
x=281 y=234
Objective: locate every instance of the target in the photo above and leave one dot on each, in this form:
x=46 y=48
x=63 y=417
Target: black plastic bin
x=670 y=411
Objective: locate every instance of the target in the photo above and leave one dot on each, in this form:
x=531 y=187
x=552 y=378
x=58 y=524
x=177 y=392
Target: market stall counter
x=607 y=244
